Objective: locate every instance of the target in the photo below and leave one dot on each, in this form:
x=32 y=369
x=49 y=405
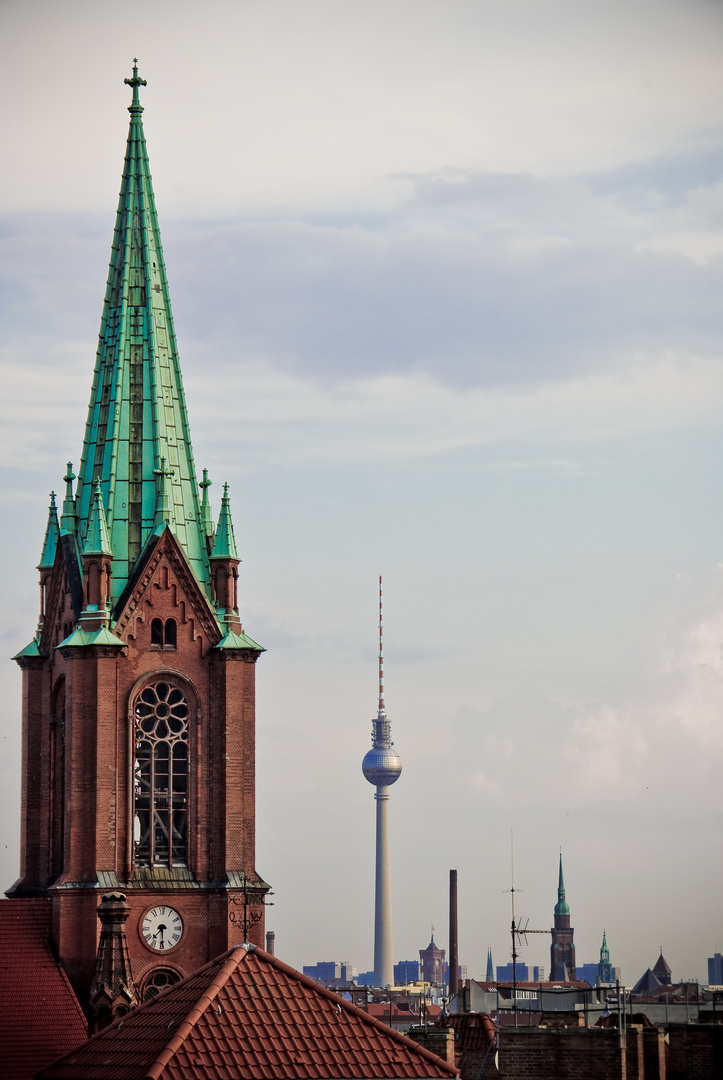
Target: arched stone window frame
x=183 y=683
x=152 y=975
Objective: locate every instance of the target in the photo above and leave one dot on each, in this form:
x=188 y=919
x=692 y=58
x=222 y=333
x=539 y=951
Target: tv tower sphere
x=382 y=767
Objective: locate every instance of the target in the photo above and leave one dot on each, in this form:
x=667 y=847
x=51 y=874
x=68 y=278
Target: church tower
x=562 y=950
x=138 y=687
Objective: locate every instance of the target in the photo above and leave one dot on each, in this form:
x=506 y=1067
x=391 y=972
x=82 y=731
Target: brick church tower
x=562 y=950
x=138 y=687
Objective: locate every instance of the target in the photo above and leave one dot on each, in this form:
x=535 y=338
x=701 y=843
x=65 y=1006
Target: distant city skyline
x=447 y=278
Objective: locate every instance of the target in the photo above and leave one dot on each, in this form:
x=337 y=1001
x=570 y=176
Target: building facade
x=138 y=686
x=432 y=963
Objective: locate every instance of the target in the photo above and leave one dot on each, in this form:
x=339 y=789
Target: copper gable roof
x=40 y=1017
x=247 y=1014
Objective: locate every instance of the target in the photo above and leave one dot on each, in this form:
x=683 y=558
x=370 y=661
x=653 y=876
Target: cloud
x=659 y=739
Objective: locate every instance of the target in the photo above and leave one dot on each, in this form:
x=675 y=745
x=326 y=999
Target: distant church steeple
x=606 y=973
x=562 y=949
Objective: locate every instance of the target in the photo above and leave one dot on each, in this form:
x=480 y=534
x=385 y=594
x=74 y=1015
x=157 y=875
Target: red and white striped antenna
x=382 y=712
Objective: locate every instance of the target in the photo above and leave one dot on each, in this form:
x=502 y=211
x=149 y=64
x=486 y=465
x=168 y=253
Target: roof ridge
x=186 y=1026
x=354 y=1010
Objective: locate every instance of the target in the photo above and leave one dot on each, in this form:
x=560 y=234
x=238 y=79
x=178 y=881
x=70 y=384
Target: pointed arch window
x=161 y=776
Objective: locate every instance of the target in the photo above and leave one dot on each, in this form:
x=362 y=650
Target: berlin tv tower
x=382 y=767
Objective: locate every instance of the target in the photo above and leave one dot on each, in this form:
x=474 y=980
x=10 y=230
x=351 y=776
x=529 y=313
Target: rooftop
x=247 y=1014
x=40 y=1017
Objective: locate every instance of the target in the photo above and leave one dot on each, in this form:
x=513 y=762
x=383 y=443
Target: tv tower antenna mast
x=382 y=767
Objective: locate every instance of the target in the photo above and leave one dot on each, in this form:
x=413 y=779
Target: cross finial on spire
x=134 y=83
x=163 y=504
x=206 y=520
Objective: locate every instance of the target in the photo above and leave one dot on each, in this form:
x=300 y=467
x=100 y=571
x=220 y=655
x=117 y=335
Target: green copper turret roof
x=97 y=541
x=137 y=439
x=561 y=907
x=224 y=545
x=52 y=535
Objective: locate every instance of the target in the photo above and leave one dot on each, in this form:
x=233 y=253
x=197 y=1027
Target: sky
x=446 y=280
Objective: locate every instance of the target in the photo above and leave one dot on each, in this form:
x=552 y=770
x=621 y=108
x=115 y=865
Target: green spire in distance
x=224 y=544
x=52 y=535
x=561 y=907
x=604 y=951
x=97 y=540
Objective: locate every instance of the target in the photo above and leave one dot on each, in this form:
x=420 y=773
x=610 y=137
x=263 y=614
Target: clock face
x=162 y=928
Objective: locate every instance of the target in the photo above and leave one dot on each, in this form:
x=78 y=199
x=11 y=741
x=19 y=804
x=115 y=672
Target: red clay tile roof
x=40 y=1017
x=246 y=1014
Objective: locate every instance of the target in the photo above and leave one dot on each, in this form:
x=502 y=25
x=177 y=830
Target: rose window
x=161 y=776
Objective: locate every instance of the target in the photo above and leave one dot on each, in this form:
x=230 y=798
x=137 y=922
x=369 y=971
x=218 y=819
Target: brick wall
x=696 y=1052
x=654 y=1053
x=561 y=1054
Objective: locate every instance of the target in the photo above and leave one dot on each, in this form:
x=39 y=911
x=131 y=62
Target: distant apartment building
x=588 y=972
x=406 y=971
x=338 y=971
x=506 y=974
x=715 y=969
x=591 y=972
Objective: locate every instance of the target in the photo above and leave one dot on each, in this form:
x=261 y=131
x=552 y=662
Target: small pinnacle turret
x=52 y=536
x=224 y=544
x=97 y=541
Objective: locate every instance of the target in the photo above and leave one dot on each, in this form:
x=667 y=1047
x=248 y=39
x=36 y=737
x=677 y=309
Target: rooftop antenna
x=519 y=928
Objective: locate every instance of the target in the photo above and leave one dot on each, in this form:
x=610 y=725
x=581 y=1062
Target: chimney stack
x=453 y=938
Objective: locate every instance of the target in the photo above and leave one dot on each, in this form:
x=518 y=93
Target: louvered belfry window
x=161 y=776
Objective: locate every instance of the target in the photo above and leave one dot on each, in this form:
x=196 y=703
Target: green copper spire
x=52 y=535
x=97 y=540
x=561 y=907
x=604 y=951
x=137 y=439
x=224 y=545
